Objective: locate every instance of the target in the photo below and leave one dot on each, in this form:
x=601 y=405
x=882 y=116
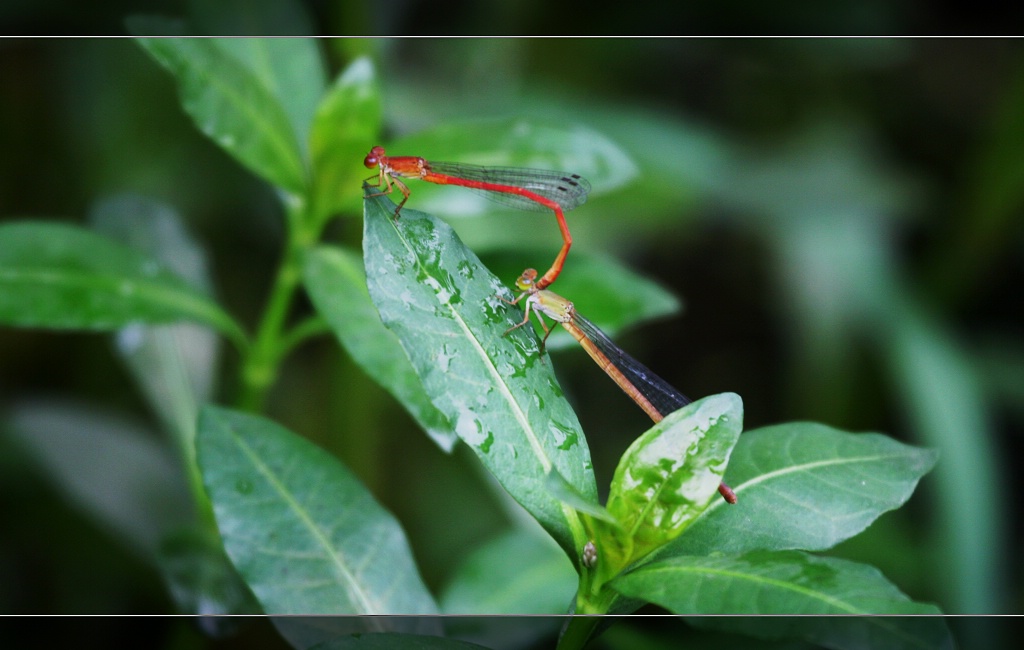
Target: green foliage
x=303 y=532
x=534 y=574
x=236 y=108
x=348 y=117
x=274 y=521
x=787 y=583
x=806 y=486
x=447 y=311
x=665 y=480
x=64 y=277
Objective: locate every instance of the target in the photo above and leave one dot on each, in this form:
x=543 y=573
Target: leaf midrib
x=331 y=553
x=831 y=462
x=155 y=292
x=203 y=68
x=788 y=586
x=520 y=416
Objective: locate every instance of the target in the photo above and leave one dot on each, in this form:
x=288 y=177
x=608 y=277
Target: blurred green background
x=841 y=219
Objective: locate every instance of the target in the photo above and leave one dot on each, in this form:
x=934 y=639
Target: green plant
x=282 y=519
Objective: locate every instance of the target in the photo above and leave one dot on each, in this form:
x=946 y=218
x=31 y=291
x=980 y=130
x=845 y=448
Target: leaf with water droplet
x=438 y=298
x=805 y=485
x=229 y=103
x=666 y=478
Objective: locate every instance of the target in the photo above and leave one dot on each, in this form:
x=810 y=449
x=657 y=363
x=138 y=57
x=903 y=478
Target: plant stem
x=259 y=368
x=592 y=602
x=578 y=631
x=312 y=326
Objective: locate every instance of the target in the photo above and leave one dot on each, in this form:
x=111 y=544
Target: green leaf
x=346 y=125
x=228 y=103
x=805 y=486
x=390 y=641
x=568 y=495
x=500 y=394
x=336 y=284
x=305 y=535
x=519 y=572
x=291 y=69
x=666 y=478
x=945 y=405
x=64 y=277
x=805 y=594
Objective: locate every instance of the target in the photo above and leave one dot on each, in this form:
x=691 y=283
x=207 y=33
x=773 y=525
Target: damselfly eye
x=374 y=157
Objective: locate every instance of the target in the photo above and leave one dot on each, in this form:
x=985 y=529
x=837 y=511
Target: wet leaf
x=502 y=398
x=807 y=486
x=228 y=103
x=666 y=479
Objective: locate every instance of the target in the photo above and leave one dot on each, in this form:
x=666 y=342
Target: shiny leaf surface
x=228 y=103
x=501 y=397
x=303 y=532
x=805 y=486
x=828 y=601
x=667 y=477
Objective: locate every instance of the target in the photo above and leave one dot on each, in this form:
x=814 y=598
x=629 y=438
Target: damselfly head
x=527 y=280
x=374 y=158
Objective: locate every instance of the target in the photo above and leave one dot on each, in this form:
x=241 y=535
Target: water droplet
x=485 y=446
x=444 y=359
x=565 y=439
x=469 y=429
x=243 y=486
